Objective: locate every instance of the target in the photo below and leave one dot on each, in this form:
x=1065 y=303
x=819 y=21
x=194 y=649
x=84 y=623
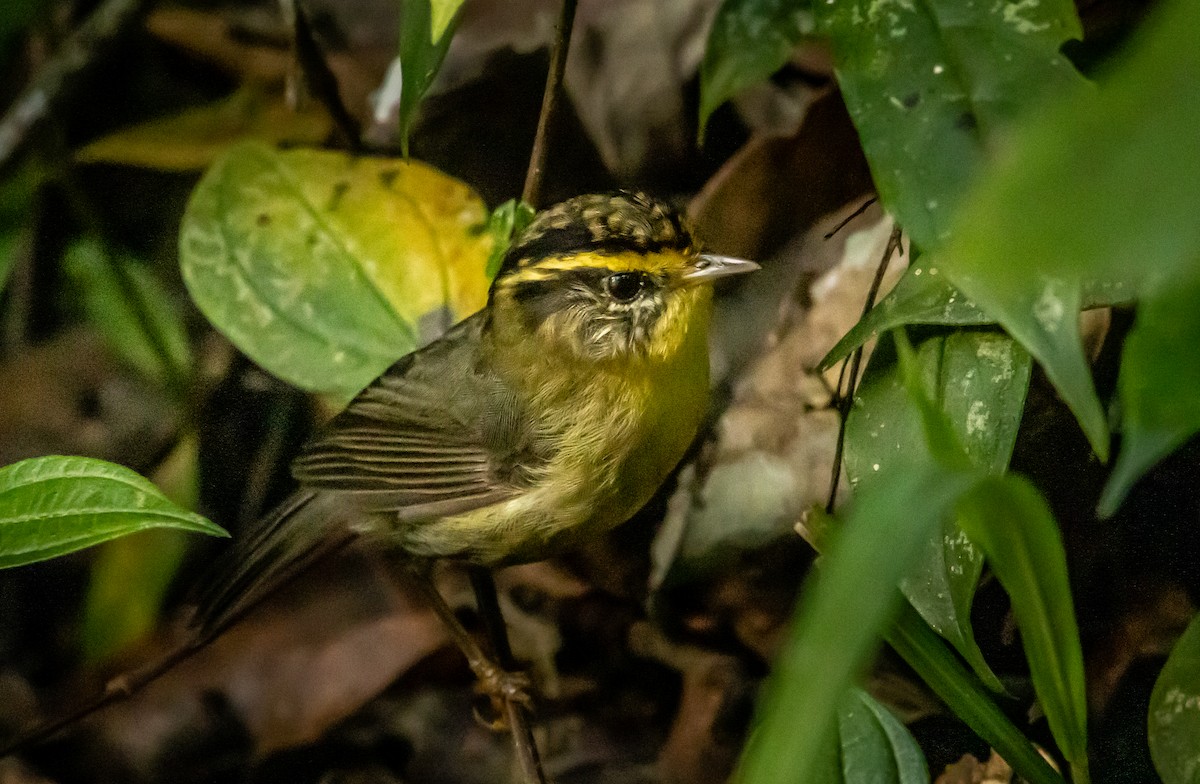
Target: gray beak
x=710 y=267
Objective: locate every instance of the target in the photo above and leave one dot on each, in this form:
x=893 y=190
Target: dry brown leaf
x=969 y=770
x=306 y=659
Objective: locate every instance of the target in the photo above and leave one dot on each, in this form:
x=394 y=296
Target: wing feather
x=423 y=441
x=419 y=440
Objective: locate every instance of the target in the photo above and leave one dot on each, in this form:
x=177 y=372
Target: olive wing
x=433 y=436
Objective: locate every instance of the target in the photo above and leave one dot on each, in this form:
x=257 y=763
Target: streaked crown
x=599 y=223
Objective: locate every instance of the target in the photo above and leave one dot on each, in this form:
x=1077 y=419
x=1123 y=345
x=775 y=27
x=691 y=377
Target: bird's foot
x=501 y=688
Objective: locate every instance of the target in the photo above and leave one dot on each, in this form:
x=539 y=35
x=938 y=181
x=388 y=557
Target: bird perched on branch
x=548 y=417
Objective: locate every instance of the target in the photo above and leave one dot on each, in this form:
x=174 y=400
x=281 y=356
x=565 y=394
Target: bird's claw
x=501 y=688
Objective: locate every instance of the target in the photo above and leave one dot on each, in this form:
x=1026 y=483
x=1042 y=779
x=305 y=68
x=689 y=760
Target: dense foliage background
x=210 y=239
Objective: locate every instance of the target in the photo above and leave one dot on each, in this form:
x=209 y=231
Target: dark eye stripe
x=541 y=298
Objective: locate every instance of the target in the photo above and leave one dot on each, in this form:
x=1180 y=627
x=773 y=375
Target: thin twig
x=76 y=54
x=117 y=689
x=532 y=191
x=320 y=80
x=845 y=399
x=488 y=603
x=861 y=209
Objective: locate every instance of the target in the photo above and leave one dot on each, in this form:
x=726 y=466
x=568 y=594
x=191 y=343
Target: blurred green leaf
x=325 y=268
x=965 y=694
x=1011 y=522
x=51 y=506
x=1100 y=178
x=1174 y=720
x=978 y=379
x=507 y=221
x=15 y=19
x=875 y=746
x=137 y=317
x=1159 y=383
x=130 y=576
x=441 y=15
x=8 y=254
x=933 y=82
x=420 y=56
x=128 y=583
x=16 y=196
x=749 y=41
x=843 y=610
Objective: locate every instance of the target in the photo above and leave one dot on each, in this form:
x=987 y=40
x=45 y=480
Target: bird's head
x=608 y=277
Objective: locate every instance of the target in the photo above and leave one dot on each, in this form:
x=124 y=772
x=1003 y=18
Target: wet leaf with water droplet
x=1175 y=712
x=1101 y=177
x=978 y=378
x=933 y=82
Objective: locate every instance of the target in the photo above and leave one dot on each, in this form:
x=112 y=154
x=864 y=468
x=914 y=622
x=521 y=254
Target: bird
x=545 y=419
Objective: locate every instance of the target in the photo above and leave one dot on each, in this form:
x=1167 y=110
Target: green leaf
x=129 y=581
x=1159 y=383
x=507 y=221
x=878 y=545
x=16 y=17
x=326 y=268
x=1011 y=522
x=978 y=379
x=440 y=16
x=749 y=41
x=132 y=310
x=130 y=576
x=8 y=254
x=1100 y=178
x=933 y=82
x=16 y=196
x=420 y=55
x=50 y=506
x=941 y=670
x=921 y=296
x=924 y=296
x=875 y=746
x=1174 y=720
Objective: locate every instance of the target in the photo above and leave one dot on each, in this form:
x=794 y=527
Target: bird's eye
x=625 y=286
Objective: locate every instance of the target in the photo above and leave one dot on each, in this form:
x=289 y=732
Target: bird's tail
x=279 y=546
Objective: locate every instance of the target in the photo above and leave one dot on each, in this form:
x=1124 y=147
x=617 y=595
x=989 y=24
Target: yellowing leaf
x=325 y=268
x=193 y=138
